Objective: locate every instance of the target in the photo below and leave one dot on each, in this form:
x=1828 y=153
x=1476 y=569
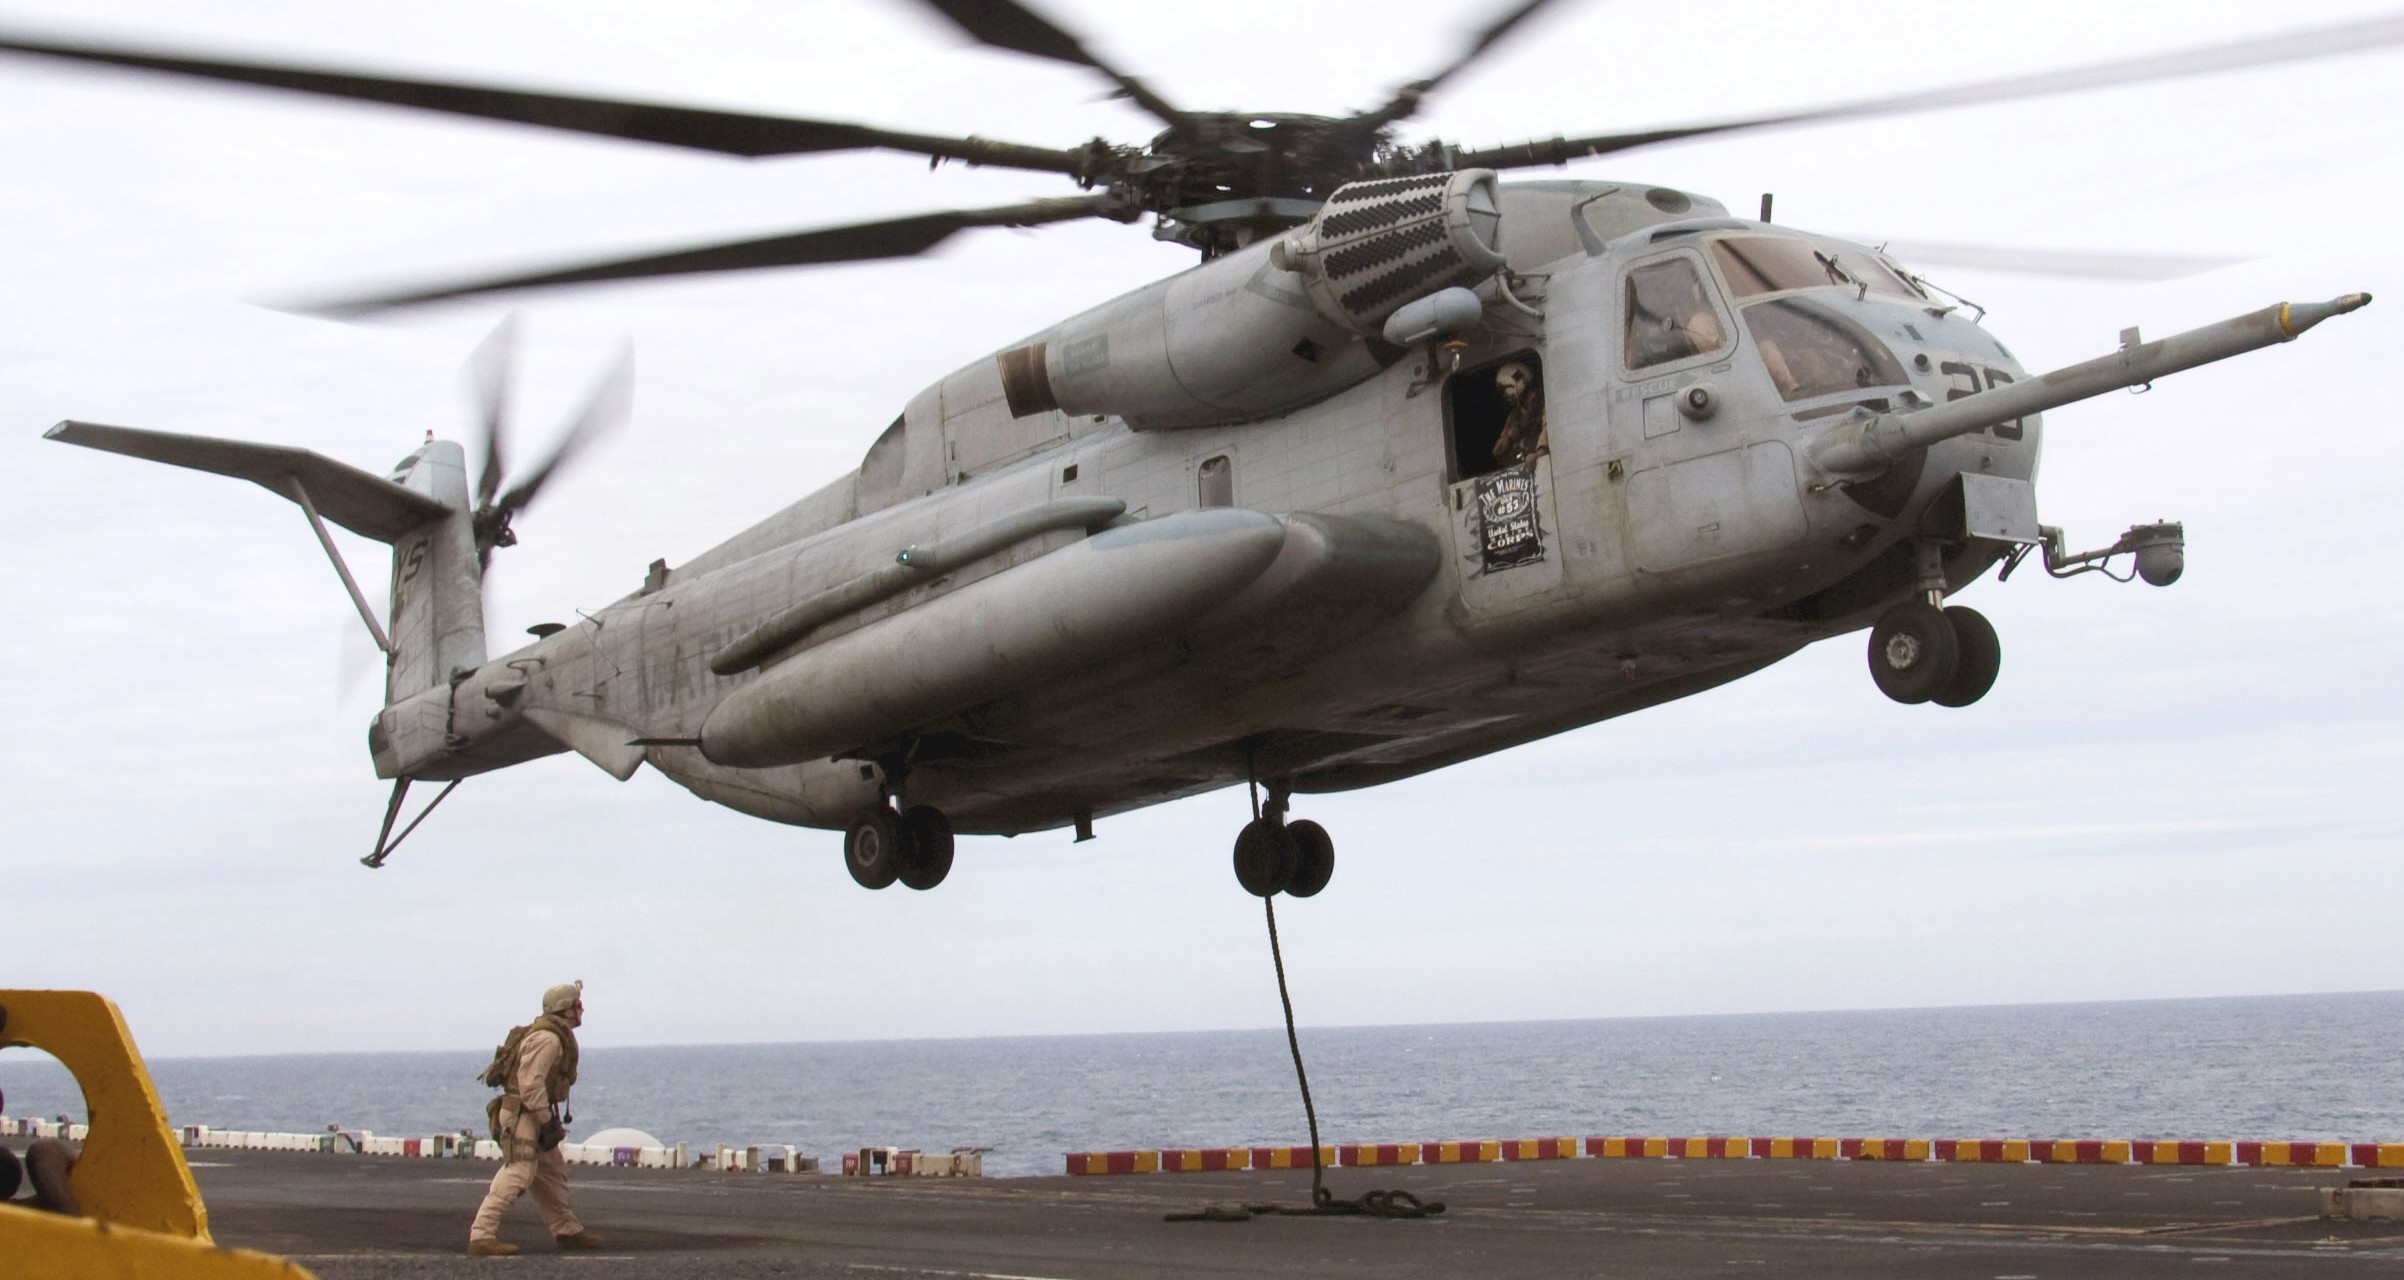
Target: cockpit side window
x=1669 y=314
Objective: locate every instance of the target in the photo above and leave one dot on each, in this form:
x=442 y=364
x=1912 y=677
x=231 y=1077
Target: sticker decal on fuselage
x=1509 y=534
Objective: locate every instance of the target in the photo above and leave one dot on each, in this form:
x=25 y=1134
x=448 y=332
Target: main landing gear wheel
x=1978 y=660
x=1913 y=652
x=926 y=846
x=1265 y=855
x=875 y=847
x=1314 y=858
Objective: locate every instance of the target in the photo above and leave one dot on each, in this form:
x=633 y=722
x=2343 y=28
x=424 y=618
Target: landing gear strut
x=1274 y=856
x=913 y=846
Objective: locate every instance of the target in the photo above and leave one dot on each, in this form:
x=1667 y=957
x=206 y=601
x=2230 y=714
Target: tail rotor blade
x=488 y=382
x=605 y=411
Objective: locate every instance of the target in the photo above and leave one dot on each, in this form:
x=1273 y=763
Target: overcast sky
x=2169 y=793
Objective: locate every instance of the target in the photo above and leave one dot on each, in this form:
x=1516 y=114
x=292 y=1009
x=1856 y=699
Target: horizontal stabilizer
x=362 y=502
x=605 y=744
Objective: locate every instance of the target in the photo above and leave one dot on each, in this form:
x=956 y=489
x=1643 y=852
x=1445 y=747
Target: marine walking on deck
x=534 y=1068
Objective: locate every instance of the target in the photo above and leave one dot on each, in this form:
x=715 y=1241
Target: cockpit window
x=1670 y=316
x=1874 y=272
x=1770 y=264
x=1812 y=351
x=1755 y=265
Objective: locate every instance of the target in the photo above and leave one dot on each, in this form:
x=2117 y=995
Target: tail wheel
x=1314 y=858
x=1264 y=857
x=875 y=848
x=928 y=846
x=1979 y=659
x=1913 y=652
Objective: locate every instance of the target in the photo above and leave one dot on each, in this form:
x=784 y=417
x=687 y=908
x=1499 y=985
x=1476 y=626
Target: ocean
x=2317 y=1067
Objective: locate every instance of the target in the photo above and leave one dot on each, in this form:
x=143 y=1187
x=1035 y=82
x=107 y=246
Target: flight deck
x=344 y=1217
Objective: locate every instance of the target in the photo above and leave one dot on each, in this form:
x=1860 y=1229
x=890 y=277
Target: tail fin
x=437 y=613
x=437 y=578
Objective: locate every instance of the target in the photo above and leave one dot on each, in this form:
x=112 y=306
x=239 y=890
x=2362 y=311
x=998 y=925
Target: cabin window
x=1810 y=350
x=1669 y=315
x=1496 y=414
x=1216 y=480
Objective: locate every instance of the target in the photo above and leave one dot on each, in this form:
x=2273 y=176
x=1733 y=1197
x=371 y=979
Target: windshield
x=1754 y=265
x=1812 y=351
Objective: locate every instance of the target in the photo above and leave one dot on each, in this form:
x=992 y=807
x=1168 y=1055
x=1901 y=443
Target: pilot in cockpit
x=1669 y=316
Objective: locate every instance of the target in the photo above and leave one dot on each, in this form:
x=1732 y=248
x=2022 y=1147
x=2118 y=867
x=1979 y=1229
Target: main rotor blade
x=2078 y=264
x=1406 y=100
x=1007 y=24
x=860 y=242
x=605 y=410
x=2296 y=46
x=727 y=132
x=488 y=382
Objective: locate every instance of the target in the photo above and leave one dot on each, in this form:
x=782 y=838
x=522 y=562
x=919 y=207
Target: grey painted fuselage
x=1672 y=552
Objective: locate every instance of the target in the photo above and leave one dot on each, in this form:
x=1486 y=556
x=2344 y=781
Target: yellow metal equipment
x=144 y=1216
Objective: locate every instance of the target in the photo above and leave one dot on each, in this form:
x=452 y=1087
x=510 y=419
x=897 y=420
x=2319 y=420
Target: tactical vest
x=502 y=1073
x=563 y=1072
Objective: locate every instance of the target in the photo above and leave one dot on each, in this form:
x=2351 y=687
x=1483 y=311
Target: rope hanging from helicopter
x=1396 y=1203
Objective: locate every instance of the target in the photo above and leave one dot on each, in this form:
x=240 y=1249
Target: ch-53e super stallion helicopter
x=1415 y=466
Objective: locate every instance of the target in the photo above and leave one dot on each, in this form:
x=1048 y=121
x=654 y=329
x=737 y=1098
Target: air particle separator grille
x=1376 y=245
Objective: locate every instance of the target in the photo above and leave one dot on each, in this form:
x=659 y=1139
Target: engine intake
x=1379 y=244
x=1270 y=327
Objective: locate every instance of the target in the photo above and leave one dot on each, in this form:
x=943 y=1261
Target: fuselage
x=1671 y=536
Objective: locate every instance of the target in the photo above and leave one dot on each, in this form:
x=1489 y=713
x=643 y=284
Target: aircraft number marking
x=1963 y=378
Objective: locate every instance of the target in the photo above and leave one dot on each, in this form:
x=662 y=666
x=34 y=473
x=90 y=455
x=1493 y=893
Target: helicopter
x=1416 y=465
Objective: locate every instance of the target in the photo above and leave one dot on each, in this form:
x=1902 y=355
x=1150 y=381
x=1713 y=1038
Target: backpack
x=496 y=1075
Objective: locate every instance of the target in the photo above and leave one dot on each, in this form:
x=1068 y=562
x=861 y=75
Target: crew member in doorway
x=1523 y=438
x=534 y=1069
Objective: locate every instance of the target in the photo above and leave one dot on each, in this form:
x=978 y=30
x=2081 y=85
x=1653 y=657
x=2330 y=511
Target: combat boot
x=490 y=1249
x=580 y=1240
